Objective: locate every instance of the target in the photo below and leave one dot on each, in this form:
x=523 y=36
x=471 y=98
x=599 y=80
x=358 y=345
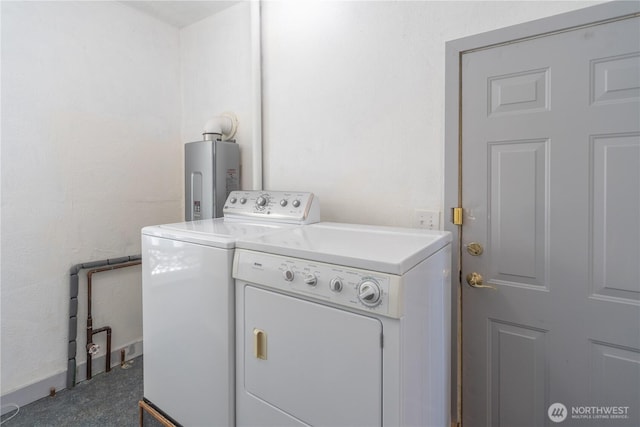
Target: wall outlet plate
x=429 y=220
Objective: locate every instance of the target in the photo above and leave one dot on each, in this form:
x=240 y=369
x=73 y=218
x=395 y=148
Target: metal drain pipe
x=73 y=309
x=91 y=347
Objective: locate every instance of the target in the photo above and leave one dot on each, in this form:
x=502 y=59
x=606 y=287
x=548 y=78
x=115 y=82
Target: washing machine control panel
x=354 y=288
x=293 y=207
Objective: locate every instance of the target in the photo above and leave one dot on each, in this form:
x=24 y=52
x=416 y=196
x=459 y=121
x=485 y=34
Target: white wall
x=215 y=61
x=90 y=137
x=354 y=98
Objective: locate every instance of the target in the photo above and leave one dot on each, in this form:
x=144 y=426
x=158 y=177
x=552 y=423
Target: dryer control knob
x=335 y=285
x=261 y=201
x=369 y=293
x=288 y=275
x=310 y=280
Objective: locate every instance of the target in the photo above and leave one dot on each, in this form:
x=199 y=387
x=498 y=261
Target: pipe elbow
x=224 y=125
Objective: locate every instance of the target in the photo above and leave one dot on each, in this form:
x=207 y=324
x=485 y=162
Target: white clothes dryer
x=188 y=303
x=343 y=325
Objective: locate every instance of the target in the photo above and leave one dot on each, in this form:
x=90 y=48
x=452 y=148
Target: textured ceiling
x=180 y=13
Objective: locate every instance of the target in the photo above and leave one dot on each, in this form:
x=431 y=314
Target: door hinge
x=456 y=216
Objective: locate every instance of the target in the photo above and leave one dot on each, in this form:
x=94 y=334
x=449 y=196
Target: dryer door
x=320 y=365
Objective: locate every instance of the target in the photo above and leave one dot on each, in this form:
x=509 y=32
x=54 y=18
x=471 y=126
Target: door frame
x=610 y=11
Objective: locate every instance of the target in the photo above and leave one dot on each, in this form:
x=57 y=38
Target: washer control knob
x=283 y=202
x=261 y=201
x=243 y=200
x=233 y=200
x=369 y=293
x=296 y=203
x=311 y=280
x=335 y=285
x=288 y=275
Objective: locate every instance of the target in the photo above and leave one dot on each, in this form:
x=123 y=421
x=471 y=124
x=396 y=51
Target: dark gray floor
x=108 y=399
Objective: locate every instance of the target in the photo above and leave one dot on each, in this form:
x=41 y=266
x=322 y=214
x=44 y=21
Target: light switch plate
x=429 y=220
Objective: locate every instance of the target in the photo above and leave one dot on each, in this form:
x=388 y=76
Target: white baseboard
x=36 y=391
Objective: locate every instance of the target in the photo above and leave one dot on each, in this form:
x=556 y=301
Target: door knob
x=475 y=281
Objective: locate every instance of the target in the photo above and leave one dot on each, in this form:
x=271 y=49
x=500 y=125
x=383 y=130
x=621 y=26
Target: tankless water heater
x=211 y=172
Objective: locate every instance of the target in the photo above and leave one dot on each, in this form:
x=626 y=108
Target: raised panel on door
x=551 y=190
x=517 y=375
x=517 y=235
x=321 y=365
x=615 y=377
x=615 y=164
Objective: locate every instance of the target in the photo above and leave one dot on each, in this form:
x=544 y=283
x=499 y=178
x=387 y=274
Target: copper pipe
x=90 y=331
x=106 y=329
x=73 y=308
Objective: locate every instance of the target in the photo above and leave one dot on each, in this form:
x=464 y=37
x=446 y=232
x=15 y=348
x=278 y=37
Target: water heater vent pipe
x=222 y=127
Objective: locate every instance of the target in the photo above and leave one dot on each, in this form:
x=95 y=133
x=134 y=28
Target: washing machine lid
x=391 y=250
x=218 y=232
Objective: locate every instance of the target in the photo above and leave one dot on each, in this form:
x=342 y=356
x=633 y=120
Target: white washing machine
x=188 y=303
x=343 y=325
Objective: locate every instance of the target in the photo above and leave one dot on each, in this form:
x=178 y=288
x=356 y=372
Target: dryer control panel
x=363 y=290
x=293 y=207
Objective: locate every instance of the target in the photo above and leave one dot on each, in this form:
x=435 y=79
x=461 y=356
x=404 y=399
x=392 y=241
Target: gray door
x=551 y=193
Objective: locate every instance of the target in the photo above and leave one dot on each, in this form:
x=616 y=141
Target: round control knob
x=233 y=200
x=243 y=200
x=283 y=202
x=311 y=280
x=369 y=293
x=288 y=275
x=335 y=285
x=261 y=201
x=296 y=203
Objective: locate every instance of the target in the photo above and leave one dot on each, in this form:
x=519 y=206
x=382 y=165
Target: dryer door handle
x=259 y=344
